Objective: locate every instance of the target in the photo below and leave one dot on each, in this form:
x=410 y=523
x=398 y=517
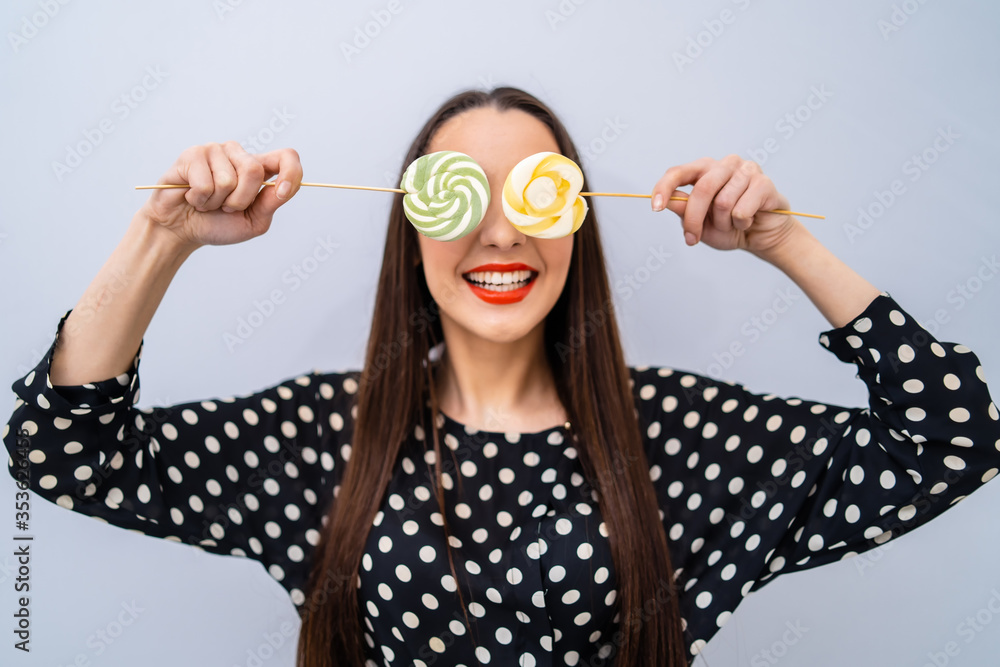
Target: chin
x=496 y=323
x=500 y=334
x=496 y=327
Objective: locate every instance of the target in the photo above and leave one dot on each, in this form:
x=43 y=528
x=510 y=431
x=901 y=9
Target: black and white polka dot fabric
x=750 y=487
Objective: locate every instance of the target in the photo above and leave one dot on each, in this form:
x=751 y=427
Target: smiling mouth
x=505 y=281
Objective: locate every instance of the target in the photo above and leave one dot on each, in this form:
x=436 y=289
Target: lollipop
x=446 y=194
x=541 y=196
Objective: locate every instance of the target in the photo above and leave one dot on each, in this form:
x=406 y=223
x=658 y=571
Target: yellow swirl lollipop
x=541 y=196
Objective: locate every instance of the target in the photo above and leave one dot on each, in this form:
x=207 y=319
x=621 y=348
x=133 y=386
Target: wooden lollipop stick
x=624 y=194
x=348 y=187
x=315 y=185
x=365 y=187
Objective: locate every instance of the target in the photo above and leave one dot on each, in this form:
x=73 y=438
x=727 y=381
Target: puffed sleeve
x=250 y=475
x=752 y=486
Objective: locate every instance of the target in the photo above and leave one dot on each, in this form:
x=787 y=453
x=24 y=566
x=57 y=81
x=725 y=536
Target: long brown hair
x=592 y=380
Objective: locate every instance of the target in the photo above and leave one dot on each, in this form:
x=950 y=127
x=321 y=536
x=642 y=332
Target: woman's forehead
x=496 y=140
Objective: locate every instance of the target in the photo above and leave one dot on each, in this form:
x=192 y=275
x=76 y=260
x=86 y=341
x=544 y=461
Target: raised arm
x=245 y=475
x=726 y=209
x=224 y=205
x=752 y=485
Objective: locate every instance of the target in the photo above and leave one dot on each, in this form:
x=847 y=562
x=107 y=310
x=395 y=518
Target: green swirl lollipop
x=446 y=194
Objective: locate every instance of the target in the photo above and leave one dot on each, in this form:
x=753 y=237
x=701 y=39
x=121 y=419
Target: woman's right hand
x=225 y=203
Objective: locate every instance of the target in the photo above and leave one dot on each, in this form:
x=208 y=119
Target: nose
x=495 y=229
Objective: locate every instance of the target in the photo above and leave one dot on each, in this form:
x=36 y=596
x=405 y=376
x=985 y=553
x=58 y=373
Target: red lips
x=502 y=298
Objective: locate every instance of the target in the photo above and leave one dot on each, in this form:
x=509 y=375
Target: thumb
x=265 y=204
x=286 y=168
x=676 y=206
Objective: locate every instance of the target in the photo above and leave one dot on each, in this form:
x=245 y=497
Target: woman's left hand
x=725 y=208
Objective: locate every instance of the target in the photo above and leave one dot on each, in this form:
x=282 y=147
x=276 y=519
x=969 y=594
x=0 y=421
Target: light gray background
x=599 y=65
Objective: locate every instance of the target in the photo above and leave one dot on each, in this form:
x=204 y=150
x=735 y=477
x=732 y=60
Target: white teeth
x=503 y=288
x=500 y=282
x=497 y=278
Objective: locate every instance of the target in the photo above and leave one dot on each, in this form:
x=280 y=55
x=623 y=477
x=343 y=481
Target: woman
x=580 y=511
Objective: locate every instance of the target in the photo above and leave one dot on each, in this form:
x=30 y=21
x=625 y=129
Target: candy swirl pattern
x=446 y=194
x=541 y=196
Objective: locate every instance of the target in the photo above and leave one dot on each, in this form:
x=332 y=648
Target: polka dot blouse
x=750 y=486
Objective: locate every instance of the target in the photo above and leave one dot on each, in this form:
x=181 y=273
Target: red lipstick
x=506 y=297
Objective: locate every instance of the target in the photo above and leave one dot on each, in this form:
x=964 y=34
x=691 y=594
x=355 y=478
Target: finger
x=285 y=163
x=727 y=197
x=684 y=174
x=677 y=205
x=223 y=174
x=198 y=175
x=249 y=176
x=701 y=197
x=751 y=202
